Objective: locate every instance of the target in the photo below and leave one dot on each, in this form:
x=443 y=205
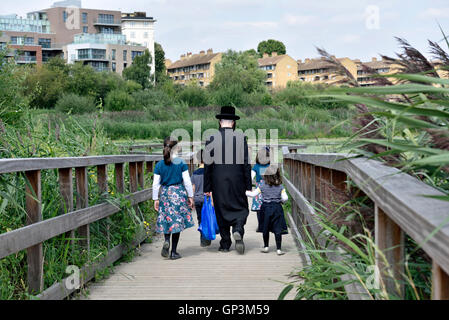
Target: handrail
x=37 y=230
x=402 y=204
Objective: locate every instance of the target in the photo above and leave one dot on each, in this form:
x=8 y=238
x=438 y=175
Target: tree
x=140 y=70
x=159 y=57
x=269 y=46
x=239 y=69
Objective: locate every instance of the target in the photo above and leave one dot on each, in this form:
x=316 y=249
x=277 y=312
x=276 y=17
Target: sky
x=345 y=28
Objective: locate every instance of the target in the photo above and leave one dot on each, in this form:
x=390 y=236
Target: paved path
x=203 y=273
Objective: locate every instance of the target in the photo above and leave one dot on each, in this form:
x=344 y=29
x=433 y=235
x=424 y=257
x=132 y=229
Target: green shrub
x=152 y=97
x=118 y=100
x=73 y=103
x=194 y=96
x=232 y=95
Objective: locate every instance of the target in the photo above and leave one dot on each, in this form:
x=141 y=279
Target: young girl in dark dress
x=262 y=163
x=272 y=214
x=176 y=199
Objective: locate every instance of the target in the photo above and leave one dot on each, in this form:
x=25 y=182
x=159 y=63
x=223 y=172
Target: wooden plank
x=82 y=201
x=390 y=240
x=140 y=175
x=66 y=190
x=102 y=181
x=133 y=177
x=440 y=283
x=35 y=258
x=119 y=178
x=28 y=164
x=22 y=238
x=149 y=166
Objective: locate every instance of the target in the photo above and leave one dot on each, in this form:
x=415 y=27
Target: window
x=29 y=40
x=133 y=35
x=44 y=43
x=106 y=18
x=85 y=29
x=84 y=17
x=125 y=65
x=145 y=35
x=135 y=54
x=113 y=67
x=64 y=16
x=125 y=55
x=107 y=30
x=113 y=54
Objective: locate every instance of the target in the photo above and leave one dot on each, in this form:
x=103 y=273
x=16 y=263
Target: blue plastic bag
x=209 y=225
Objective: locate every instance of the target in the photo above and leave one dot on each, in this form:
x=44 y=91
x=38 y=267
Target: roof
x=314 y=64
x=374 y=65
x=193 y=60
x=268 y=61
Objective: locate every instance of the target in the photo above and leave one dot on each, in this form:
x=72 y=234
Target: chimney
x=299 y=61
x=374 y=59
x=183 y=56
x=265 y=55
x=202 y=53
x=209 y=51
x=274 y=54
x=307 y=60
x=189 y=54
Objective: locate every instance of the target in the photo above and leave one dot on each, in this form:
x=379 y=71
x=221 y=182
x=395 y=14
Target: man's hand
x=191 y=203
x=156 y=205
x=209 y=194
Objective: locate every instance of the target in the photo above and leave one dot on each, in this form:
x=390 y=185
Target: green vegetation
x=269 y=46
x=404 y=125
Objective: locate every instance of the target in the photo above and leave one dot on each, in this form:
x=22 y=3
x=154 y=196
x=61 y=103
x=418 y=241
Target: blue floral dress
x=257 y=201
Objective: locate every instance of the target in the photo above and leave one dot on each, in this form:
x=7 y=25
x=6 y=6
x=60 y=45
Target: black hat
x=227 y=113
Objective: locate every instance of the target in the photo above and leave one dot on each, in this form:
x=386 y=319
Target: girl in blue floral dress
x=171 y=175
x=262 y=162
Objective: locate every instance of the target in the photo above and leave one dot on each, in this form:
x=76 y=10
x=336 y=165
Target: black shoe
x=204 y=242
x=165 y=249
x=239 y=245
x=223 y=249
x=175 y=255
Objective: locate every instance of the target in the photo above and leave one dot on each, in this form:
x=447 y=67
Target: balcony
x=52 y=46
x=24 y=25
x=107 y=22
x=25 y=59
x=100 y=38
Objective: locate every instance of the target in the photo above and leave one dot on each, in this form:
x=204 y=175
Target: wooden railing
x=401 y=202
x=37 y=230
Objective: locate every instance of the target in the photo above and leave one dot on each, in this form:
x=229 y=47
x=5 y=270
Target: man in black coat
x=227 y=176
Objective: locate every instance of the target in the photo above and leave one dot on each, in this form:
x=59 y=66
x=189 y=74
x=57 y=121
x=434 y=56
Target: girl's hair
x=272 y=176
x=168 y=147
x=263 y=153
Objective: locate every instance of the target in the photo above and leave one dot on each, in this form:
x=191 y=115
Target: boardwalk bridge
x=402 y=204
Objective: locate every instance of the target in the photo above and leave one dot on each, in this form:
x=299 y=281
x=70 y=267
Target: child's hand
x=191 y=203
x=156 y=205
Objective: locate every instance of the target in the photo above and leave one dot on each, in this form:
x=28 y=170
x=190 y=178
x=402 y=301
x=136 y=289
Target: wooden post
x=119 y=178
x=149 y=166
x=35 y=258
x=390 y=240
x=317 y=178
x=440 y=283
x=66 y=190
x=82 y=201
x=140 y=176
x=132 y=176
x=102 y=180
x=312 y=184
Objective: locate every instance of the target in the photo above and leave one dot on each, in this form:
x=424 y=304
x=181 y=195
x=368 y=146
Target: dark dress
x=271 y=211
x=227 y=174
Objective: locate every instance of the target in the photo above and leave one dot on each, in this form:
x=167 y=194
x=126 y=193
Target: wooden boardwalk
x=203 y=273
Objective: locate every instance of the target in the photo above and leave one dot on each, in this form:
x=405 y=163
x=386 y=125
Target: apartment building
x=365 y=77
x=321 y=71
x=90 y=36
x=280 y=69
x=139 y=29
x=102 y=51
x=194 y=67
x=31 y=39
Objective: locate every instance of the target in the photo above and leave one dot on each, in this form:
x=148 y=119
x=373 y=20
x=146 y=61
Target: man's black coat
x=227 y=174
